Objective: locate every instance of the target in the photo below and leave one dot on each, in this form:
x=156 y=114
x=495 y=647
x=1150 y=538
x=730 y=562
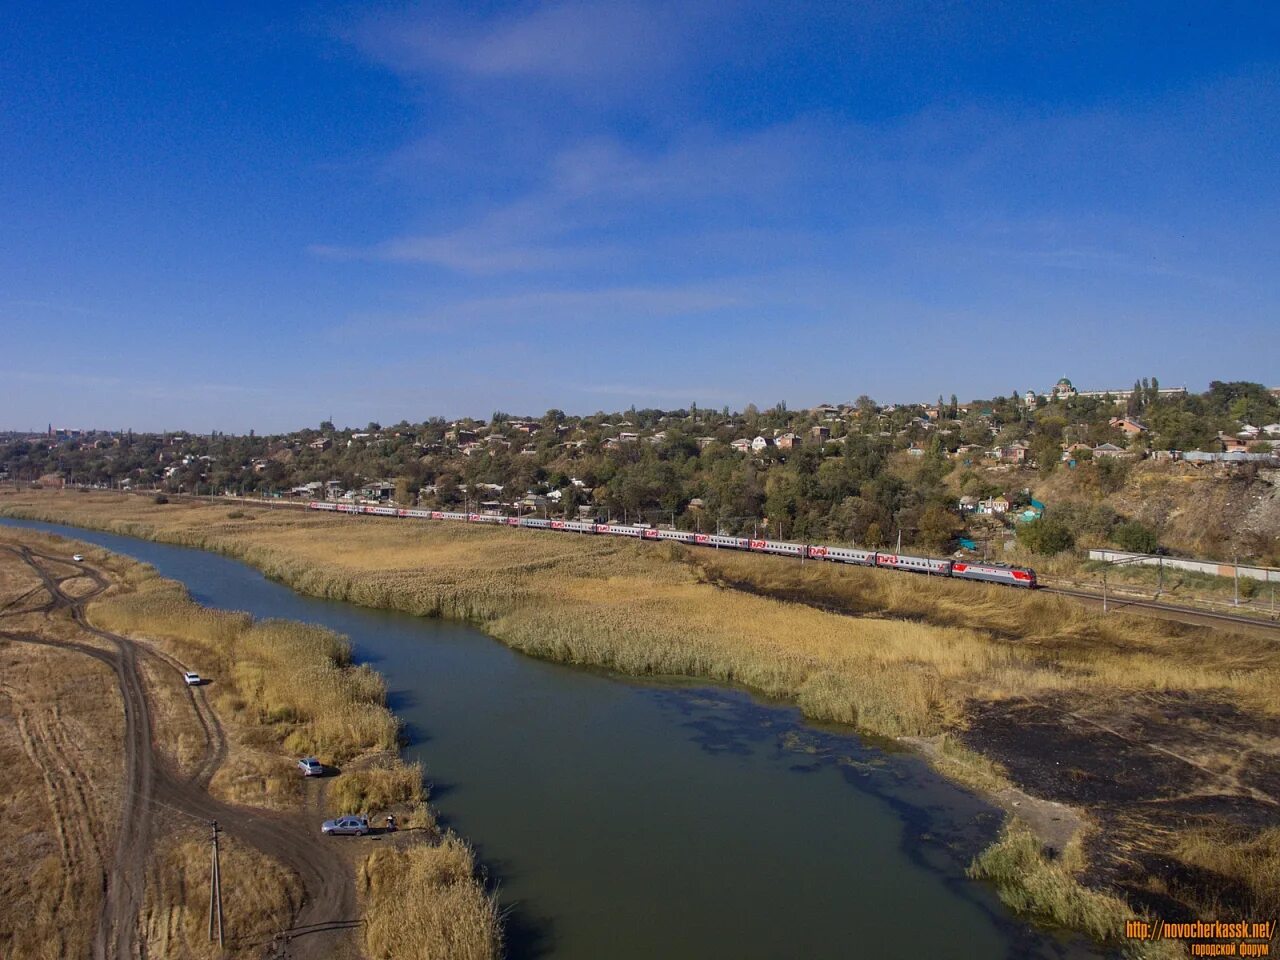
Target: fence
x=1211 y=567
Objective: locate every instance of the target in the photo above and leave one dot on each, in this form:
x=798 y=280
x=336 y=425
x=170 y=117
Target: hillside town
x=935 y=475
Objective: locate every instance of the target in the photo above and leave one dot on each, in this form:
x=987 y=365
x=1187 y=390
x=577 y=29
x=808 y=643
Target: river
x=628 y=819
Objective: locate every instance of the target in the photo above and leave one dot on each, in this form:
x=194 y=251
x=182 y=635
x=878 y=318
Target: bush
x=1112 y=473
x=161 y=498
x=1136 y=537
x=1046 y=536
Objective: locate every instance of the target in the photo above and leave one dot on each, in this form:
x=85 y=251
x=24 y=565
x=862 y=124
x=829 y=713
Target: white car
x=192 y=678
x=78 y=558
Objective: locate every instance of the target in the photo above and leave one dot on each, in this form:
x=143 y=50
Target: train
x=1000 y=573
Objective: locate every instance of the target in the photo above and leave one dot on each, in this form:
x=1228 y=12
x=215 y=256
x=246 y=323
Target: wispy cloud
x=568 y=40
x=566 y=308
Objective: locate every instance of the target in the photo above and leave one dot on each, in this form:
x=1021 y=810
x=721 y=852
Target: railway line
x=1022 y=577
x=1173 y=611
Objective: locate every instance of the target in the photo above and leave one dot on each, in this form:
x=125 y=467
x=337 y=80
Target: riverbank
x=914 y=662
x=275 y=690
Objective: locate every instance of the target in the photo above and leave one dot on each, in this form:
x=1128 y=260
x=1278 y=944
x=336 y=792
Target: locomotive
x=958 y=569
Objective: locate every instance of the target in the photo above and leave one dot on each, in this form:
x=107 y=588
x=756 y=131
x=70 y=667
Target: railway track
x=1168 y=610
x=1172 y=610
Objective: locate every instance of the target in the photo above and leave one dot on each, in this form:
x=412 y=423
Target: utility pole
x=1235 y=569
x=215 y=890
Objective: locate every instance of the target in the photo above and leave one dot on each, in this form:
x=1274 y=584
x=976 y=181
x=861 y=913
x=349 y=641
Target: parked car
x=192 y=678
x=346 y=826
x=78 y=558
x=311 y=767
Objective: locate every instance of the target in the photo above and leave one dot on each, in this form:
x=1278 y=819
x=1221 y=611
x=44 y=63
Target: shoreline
x=1056 y=825
x=256 y=724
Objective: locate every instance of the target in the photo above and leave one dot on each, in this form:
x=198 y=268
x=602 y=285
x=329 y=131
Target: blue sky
x=264 y=215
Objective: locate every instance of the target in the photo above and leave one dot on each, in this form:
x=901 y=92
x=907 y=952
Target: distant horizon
x=341 y=425
x=256 y=215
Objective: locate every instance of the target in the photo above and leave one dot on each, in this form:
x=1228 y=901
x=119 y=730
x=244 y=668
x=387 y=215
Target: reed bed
x=288 y=686
x=374 y=788
x=294 y=678
x=894 y=654
x=423 y=901
x=1032 y=884
x=916 y=650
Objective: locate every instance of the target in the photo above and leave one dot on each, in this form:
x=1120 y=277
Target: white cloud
x=579 y=41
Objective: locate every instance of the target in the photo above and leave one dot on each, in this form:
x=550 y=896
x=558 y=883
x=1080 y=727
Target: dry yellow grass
x=176 y=903
x=916 y=651
x=293 y=679
x=281 y=689
x=373 y=788
x=422 y=901
x=60 y=749
x=1231 y=856
x=1032 y=884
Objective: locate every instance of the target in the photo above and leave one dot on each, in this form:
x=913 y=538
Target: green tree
x=1046 y=536
x=938 y=527
x=1135 y=537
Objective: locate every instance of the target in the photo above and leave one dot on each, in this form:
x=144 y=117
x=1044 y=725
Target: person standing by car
x=391 y=824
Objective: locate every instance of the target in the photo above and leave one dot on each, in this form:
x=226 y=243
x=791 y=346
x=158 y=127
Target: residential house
x=787 y=441
x=915 y=450
x=1071 y=453
x=741 y=445
x=994 y=506
x=820 y=434
x=1015 y=452
x=1128 y=426
x=626 y=437
x=1232 y=444
x=968 y=504
x=704 y=442
x=378 y=490
x=320 y=443
x=760 y=444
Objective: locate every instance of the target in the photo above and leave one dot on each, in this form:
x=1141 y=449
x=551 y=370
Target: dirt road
x=154 y=793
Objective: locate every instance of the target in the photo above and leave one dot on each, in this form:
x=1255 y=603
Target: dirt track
x=153 y=793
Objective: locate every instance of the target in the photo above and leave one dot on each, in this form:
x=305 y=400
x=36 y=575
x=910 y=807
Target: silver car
x=346 y=826
x=311 y=767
